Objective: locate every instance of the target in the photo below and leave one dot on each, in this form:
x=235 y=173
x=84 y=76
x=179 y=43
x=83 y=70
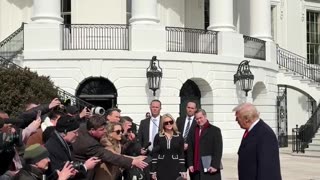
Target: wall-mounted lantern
x=244 y=76
x=154 y=75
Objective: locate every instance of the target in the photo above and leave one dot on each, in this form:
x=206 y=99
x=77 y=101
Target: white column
x=260 y=19
x=144 y=12
x=221 y=15
x=47 y=11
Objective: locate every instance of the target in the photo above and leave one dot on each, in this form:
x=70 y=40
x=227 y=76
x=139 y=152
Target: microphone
x=147 y=146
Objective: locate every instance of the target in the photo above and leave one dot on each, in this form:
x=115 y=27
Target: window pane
x=313 y=37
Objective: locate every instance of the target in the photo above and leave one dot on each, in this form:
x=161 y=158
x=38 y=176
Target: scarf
x=197 y=135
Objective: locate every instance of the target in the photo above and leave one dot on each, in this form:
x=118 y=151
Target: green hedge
x=21 y=86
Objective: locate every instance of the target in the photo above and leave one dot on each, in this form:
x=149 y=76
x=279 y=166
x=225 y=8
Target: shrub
x=20 y=86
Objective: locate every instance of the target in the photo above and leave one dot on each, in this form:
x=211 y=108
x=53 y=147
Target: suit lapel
x=251 y=135
x=147 y=130
x=183 y=120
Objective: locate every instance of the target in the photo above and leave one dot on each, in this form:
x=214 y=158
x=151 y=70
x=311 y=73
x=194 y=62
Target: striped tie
x=187 y=129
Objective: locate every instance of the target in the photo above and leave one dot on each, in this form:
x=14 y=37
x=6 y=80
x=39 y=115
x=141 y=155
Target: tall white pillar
x=44 y=32
x=144 y=12
x=145 y=28
x=260 y=19
x=47 y=11
x=221 y=15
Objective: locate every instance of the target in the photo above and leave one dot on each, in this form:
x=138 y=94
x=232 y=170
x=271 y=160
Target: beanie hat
x=66 y=124
x=35 y=153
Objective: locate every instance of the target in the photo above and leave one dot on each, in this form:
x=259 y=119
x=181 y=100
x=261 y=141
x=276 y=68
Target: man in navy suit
x=259 y=151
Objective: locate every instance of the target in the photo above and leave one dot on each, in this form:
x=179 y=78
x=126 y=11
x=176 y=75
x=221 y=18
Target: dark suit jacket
x=180 y=125
x=87 y=146
x=259 y=154
x=58 y=153
x=143 y=132
x=210 y=144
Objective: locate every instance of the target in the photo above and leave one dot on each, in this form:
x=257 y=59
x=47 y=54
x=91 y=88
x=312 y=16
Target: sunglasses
x=118 y=131
x=168 y=122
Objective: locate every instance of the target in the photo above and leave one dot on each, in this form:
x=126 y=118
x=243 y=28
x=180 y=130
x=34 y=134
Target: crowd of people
x=67 y=143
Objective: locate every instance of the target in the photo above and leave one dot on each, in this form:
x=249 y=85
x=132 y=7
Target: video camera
x=96 y=110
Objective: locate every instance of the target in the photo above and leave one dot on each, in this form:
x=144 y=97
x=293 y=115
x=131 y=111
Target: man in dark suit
x=205 y=149
x=88 y=145
x=60 y=149
x=259 y=150
x=149 y=127
x=186 y=125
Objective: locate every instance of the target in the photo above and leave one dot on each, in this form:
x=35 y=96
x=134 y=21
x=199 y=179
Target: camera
x=7 y=150
x=77 y=165
x=97 y=110
x=8 y=141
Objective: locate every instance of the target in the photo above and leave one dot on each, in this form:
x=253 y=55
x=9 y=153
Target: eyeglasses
x=167 y=123
x=119 y=131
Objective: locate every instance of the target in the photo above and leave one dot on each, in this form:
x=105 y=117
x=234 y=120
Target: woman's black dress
x=168 y=157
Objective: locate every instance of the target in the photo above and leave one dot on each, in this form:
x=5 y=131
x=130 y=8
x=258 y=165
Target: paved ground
x=292 y=167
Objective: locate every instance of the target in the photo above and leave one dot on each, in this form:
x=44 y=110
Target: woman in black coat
x=168 y=154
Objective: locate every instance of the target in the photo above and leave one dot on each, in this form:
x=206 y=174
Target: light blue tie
x=154 y=129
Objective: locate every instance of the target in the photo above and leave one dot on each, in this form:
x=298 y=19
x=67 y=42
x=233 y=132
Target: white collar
x=157 y=118
x=252 y=125
x=192 y=117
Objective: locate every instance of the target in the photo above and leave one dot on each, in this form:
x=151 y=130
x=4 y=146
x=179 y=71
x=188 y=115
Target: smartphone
x=38 y=114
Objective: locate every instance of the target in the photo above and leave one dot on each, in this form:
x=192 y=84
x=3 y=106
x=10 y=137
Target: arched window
x=98 y=91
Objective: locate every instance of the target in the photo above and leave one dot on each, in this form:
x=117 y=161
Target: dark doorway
x=98 y=91
x=189 y=92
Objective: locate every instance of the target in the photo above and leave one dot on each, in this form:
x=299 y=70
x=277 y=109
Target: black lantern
x=154 y=75
x=244 y=76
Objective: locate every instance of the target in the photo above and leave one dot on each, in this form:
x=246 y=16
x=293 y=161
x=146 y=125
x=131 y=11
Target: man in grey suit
x=259 y=150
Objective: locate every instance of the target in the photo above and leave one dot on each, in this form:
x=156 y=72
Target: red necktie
x=245 y=133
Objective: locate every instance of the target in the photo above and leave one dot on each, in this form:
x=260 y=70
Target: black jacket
x=59 y=154
x=28 y=173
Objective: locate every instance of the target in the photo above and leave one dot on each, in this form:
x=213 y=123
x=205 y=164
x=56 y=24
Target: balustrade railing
x=95 y=37
x=13 y=44
x=191 y=40
x=297 y=64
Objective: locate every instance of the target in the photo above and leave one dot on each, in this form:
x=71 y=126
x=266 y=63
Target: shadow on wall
x=303 y=102
x=244 y=17
x=174 y=6
x=21 y=3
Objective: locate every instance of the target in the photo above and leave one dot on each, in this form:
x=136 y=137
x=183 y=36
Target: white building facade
x=100 y=51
